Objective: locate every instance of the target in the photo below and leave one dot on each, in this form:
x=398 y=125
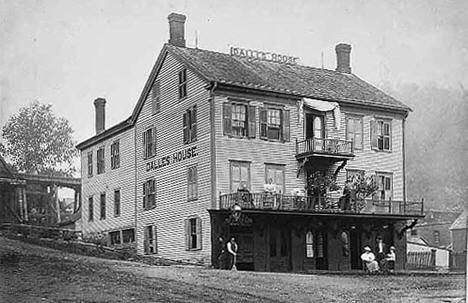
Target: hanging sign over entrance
x=264 y=56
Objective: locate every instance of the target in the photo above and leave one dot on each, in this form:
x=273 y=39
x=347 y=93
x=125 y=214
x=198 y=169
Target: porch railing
x=324 y=146
x=269 y=201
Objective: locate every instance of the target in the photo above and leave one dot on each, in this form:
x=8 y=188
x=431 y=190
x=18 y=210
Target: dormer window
x=183 y=83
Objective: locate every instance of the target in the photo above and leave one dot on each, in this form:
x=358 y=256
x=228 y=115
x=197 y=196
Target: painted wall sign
x=181 y=155
x=264 y=56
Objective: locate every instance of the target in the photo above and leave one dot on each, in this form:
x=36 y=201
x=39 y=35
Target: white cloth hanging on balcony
x=325 y=106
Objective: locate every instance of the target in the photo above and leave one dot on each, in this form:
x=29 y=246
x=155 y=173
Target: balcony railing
x=269 y=201
x=319 y=146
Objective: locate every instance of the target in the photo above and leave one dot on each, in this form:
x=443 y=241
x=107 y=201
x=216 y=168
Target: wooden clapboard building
x=207 y=124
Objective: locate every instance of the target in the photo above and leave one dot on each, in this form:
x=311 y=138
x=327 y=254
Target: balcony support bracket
x=339 y=168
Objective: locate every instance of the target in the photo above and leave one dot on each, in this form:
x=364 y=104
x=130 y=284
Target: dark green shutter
x=193 y=127
x=185 y=126
x=252 y=122
x=286 y=125
x=373 y=134
x=199 y=233
x=263 y=124
x=187 y=234
x=227 y=116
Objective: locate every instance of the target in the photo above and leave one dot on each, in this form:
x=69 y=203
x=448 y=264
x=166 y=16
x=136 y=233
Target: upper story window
x=183 y=83
x=274 y=124
x=274 y=177
x=155 y=97
x=115 y=154
x=90 y=164
x=190 y=125
x=385 y=186
x=192 y=183
x=100 y=160
x=149 y=194
x=381 y=134
x=239 y=120
x=354 y=130
x=149 y=143
x=193 y=233
x=240 y=174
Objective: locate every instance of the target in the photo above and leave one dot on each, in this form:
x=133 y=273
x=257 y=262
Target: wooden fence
x=421 y=260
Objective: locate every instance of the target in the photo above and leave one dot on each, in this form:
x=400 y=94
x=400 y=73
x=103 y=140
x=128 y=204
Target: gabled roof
x=460 y=222
x=5 y=172
x=297 y=80
x=294 y=80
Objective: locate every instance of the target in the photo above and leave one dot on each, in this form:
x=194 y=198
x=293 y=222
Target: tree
x=36 y=141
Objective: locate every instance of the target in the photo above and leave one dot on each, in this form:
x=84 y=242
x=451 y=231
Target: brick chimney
x=177 y=29
x=343 y=52
x=100 y=108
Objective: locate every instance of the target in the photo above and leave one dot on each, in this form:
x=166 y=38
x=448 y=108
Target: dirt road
x=46 y=275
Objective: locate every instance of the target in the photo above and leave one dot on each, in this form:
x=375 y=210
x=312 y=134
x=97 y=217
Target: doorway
x=280 y=249
x=355 y=247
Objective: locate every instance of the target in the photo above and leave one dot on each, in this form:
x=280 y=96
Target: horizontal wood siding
x=380 y=161
x=172 y=205
x=122 y=178
x=255 y=150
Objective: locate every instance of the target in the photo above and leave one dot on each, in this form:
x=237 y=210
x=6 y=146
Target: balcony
x=319 y=205
x=330 y=148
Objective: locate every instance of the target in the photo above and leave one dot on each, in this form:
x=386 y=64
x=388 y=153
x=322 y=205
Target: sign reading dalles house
x=263 y=56
x=179 y=156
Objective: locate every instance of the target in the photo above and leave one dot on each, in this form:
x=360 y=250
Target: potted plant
x=360 y=187
x=318 y=185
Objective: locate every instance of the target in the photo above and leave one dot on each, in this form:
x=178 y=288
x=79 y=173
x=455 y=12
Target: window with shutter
x=100 y=160
x=90 y=209
x=149 y=194
x=90 y=164
x=192 y=183
x=190 y=125
x=381 y=134
x=115 y=154
x=354 y=130
x=385 y=186
x=183 y=83
x=155 y=97
x=103 y=206
x=193 y=233
x=227 y=116
x=240 y=174
x=116 y=202
x=149 y=143
x=275 y=124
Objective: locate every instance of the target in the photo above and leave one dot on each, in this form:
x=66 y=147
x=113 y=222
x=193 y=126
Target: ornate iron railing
x=324 y=146
x=270 y=201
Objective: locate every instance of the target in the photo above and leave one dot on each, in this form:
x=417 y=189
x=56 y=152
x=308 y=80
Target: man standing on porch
x=231 y=247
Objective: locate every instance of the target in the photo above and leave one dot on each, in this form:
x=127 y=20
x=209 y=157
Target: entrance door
x=314 y=129
x=245 y=243
x=280 y=249
x=355 y=247
x=321 y=260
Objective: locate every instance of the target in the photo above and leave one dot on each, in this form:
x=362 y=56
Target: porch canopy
x=325 y=106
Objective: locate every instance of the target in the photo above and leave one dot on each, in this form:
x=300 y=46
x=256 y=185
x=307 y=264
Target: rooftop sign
x=263 y=56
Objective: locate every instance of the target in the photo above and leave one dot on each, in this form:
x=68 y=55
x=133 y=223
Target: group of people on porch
x=383 y=261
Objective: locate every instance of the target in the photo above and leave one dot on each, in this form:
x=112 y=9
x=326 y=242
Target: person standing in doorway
x=232 y=248
x=380 y=249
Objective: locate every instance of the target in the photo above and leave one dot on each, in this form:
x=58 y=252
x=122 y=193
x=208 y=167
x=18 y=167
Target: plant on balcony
x=360 y=187
x=318 y=185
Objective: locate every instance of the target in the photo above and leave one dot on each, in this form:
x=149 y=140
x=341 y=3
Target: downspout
x=136 y=186
x=404 y=162
x=213 y=146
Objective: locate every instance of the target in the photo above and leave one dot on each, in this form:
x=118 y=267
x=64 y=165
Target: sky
x=67 y=53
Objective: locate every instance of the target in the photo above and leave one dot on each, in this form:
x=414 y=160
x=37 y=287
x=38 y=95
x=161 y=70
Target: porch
x=325 y=205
